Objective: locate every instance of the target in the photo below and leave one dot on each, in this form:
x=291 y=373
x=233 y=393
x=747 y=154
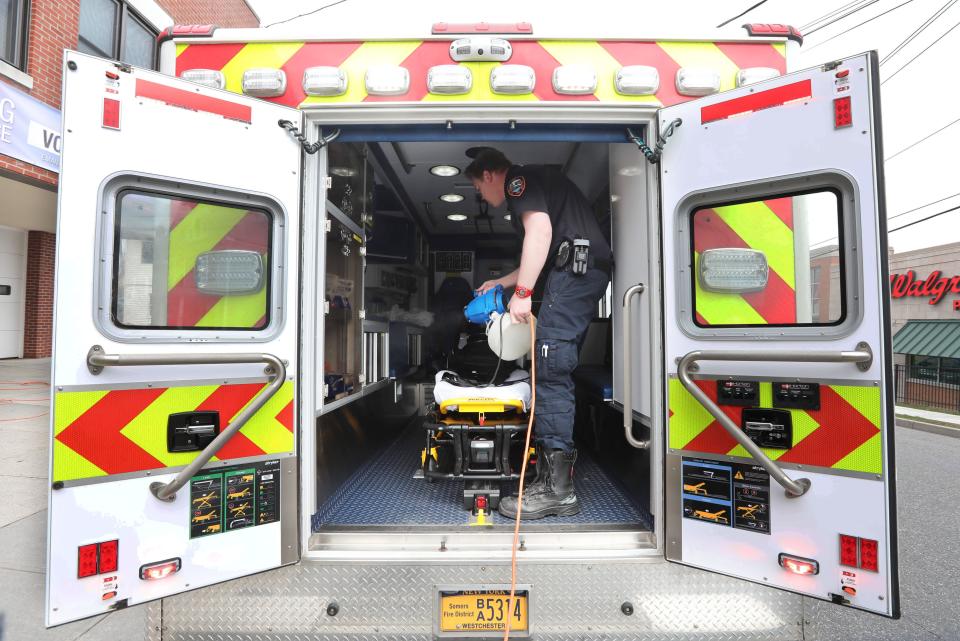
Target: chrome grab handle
x=862 y=357
x=97 y=360
x=628 y=368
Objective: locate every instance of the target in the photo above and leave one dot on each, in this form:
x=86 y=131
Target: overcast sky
x=919 y=100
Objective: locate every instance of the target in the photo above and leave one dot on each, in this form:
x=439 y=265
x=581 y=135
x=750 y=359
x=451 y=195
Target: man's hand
x=487 y=286
x=520 y=309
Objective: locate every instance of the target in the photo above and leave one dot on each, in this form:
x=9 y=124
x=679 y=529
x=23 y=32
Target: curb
x=953 y=432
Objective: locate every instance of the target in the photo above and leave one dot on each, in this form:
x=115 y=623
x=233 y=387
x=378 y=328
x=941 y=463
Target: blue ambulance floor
x=384 y=492
x=24 y=456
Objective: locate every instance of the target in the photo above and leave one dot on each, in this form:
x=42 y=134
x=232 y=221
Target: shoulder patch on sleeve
x=517 y=186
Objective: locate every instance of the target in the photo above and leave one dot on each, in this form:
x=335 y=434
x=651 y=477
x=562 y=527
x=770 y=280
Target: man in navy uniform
x=564 y=245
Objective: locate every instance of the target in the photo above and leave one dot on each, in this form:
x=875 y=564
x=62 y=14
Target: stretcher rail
x=862 y=357
x=276 y=370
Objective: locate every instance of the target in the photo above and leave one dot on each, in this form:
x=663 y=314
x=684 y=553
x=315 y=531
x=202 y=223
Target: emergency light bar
x=205 y=77
x=229 y=272
x=324 y=81
x=264 y=83
x=697 y=81
x=449 y=80
x=387 y=80
x=755 y=74
x=637 y=80
x=733 y=271
x=513 y=79
x=575 y=80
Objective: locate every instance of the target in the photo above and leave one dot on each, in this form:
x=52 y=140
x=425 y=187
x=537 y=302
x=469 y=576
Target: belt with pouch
x=564 y=259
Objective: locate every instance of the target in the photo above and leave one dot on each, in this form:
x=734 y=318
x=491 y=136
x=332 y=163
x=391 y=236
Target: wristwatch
x=522 y=292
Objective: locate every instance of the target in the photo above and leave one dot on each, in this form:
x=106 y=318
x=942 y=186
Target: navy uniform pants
x=569 y=304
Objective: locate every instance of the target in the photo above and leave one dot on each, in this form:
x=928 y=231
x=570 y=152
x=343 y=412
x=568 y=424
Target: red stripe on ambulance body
x=746 y=55
x=211 y=56
x=651 y=55
x=756 y=101
x=193 y=101
x=312 y=54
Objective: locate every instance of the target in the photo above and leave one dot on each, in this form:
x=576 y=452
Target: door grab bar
x=628 y=368
x=97 y=360
x=862 y=356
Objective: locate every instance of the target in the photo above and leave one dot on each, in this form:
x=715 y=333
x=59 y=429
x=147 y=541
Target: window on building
x=934 y=369
x=112 y=29
x=13 y=32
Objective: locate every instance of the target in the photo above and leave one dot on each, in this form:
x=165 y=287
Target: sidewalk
x=928 y=421
x=24 y=456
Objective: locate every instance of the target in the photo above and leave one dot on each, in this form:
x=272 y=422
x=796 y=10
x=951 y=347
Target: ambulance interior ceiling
x=407 y=175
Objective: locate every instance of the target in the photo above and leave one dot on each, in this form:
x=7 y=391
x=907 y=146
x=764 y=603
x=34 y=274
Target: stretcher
x=476 y=433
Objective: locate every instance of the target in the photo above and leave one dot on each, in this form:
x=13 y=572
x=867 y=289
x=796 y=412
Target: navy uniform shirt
x=546 y=189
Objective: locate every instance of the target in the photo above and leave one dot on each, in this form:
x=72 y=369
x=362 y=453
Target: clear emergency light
x=449 y=80
x=324 y=81
x=637 y=80
x=755 y=74
x=697 y=81
x=513 y=79
x=733 y=271
x=206 y=77
x=387 y=80
x=229 y=272
x=264 y=83
x=575 y=80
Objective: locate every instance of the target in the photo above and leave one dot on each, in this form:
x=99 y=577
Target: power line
x=916 y=32
x=846 y=31
x=914 y=144
x=903 y=213
x=921 y=53
x=939 y=213
x=740 y=15
x=839 y=18
x=910 y=211
x=308 y=13
x=829 y=14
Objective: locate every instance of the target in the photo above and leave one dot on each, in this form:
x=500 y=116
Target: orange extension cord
x=523 y=474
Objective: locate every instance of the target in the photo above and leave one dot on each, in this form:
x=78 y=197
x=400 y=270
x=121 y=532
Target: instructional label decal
x=234 y=498
x=728 y=494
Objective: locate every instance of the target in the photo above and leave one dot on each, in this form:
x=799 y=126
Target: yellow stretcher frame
x=480 y=405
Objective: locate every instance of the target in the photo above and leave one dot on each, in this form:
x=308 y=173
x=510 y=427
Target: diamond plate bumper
x=574 y=601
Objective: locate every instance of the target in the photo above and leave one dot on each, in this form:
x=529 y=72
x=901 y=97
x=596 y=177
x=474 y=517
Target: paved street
x=929 y=522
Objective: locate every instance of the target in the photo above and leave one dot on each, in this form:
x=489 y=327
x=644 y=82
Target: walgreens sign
x=934 y=287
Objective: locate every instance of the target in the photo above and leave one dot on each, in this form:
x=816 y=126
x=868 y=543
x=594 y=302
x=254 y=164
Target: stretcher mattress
x=457 y=395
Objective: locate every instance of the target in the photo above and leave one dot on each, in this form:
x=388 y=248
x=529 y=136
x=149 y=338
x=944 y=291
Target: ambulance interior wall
x=402 y=277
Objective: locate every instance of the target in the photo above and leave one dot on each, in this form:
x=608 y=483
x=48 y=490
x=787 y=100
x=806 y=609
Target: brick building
x=33 y=35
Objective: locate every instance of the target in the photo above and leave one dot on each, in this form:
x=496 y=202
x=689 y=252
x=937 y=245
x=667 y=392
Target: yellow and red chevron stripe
x=417 y=56
x=196 y=228
x=764 y=225
x=104 y=432
x=844 y=434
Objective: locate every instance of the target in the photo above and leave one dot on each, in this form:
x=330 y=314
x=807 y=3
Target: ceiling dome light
x=451 y=198
x=444 y=170
x=456 y=217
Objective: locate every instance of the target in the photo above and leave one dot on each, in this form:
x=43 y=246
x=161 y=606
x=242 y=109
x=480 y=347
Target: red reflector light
x=109 y=556
x=481 y=503
x=843 y=73
x=842 y=113
x=848 y=551
x=108 y=595
x=163 y=569
x=111 y=113
x=868 y=555
x=113 y=76
x=798 y=564
x=87 y=560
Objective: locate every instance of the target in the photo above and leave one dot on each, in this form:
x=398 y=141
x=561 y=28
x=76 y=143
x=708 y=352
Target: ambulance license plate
x=483 y=612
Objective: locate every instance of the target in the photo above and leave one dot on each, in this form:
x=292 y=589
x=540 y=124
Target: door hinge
x=326 y=390
x=326 y=307
x=362 y=313
x=327 y=225
x=328 y=182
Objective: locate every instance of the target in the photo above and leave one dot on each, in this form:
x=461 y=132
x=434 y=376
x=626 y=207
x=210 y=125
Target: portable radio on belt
x=581 y=256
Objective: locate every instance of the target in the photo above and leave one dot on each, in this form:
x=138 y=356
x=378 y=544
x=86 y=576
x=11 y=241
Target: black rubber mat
x=384 y=492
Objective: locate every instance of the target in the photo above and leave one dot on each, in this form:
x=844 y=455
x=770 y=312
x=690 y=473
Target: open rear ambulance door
x=779 y=448
x=176 y=323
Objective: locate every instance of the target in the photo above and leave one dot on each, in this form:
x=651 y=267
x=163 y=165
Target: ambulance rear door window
x=184 y=263
x=771 y=261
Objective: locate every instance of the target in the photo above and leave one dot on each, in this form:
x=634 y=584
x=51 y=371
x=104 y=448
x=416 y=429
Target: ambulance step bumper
x=567 y=601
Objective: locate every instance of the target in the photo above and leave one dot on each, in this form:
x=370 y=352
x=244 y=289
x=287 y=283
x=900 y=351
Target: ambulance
x=263 y=252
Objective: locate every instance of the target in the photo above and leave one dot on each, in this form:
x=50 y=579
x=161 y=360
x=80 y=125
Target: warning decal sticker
x=728 y=494
x=234 y=498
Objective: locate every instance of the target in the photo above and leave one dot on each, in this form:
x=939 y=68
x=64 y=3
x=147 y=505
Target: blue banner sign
x=29 y=129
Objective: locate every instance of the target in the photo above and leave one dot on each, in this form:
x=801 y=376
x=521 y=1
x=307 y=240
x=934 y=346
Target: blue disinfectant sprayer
x=483 y=306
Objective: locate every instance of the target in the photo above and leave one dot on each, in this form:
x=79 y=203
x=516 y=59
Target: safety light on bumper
x=161 y=570
x=798 y=564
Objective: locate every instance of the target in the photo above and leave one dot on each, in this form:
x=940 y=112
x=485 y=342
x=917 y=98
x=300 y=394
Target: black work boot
x=550 y=495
